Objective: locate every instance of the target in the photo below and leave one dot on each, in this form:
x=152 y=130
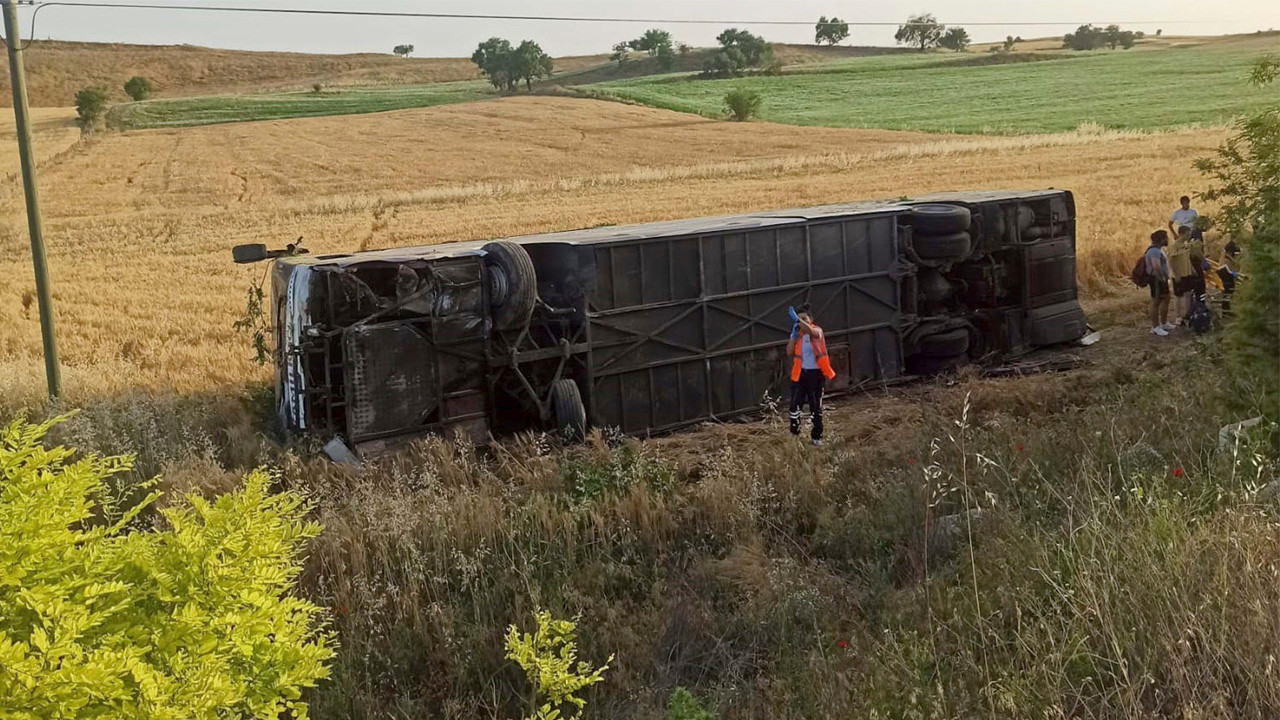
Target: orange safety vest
x=819 y=345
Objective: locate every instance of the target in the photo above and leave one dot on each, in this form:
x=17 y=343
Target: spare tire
x=952 y=246
x=512 y=284
x=947 y=344
x=939 y=219
x=567 y=410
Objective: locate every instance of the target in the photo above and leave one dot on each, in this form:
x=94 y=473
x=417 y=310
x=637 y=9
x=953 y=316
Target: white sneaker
x=817 y=443
x=1159 y=330
x=1169 y=327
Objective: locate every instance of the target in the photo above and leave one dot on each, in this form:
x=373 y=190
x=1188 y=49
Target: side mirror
x=251 y=253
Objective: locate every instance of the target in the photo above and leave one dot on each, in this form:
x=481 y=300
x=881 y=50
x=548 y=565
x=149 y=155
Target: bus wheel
x=513 y=284
x=567 y=409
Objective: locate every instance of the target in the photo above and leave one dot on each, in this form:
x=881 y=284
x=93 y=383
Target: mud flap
x=1053 y=324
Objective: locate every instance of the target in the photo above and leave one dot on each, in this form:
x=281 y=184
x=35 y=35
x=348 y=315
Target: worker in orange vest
x=810 y=369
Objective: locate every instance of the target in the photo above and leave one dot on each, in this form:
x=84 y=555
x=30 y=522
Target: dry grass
x=57 y=69
x=139 y=224
x=53 y=131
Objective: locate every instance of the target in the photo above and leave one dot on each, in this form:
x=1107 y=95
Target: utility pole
x=22 y=120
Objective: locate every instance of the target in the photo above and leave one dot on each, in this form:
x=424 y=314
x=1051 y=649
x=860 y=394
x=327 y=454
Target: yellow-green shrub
x=102 y=616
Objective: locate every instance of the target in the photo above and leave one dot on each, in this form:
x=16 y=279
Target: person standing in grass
x=1158 y=282
x=1185 y=217
x=810 y=369
x=1186 y=266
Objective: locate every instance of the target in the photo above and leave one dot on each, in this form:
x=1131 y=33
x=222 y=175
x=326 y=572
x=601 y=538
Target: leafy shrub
x=102 y=617
x=317 y=88
x=91 y=103
x=549 y=658
x=1246 y=175
x=682 y=705
x=1254 y=331
x=620 y=468
x=743 y=103
x=138 y=88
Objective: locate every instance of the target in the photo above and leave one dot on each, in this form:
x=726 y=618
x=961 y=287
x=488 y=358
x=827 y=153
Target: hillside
x=981 y=93
x=56 y=70
x=693 y=60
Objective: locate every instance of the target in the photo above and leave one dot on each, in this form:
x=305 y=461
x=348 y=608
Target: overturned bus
x=648 y=328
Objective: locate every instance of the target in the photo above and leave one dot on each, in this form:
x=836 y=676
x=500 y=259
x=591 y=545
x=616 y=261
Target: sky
x=437 y=37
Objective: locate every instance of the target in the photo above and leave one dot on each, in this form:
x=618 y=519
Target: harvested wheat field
x=53 y=130
x=140 y=224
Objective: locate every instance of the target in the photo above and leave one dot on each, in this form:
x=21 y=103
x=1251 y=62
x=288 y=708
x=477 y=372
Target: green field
x=212 y=109
x=1121 y=89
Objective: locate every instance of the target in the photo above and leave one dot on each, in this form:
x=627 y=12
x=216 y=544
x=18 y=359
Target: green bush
x=1246 y=175
x=138 y=88
x=91 y=104
x=549 y=658
x=1253 y=335
x=743 y=103
x=682 y=705
x=104 y=616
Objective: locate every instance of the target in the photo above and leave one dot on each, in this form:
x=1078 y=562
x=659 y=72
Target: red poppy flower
x=1177 y=472
x=1019 y=448
x=842 y=644
x=911 y=461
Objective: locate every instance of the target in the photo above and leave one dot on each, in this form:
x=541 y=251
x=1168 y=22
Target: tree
x=1246 y=169
x=1246 y=184
x=652 y=42
x=113 y=610
x=666 y=58
x=739 y=49
x=91 y=103
x=956 y=38
x=138 y=88
x=529 y=62
x=620 y=52
x=1009 y=42
x=923 y=31
x=831 y=31
x=743 y=103
x=403 y=51
x=1127 y=39
x=1086 y=37
x=1111 y=36
x=494 y=58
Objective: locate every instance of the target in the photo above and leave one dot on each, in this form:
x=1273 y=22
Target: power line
x=561 y=18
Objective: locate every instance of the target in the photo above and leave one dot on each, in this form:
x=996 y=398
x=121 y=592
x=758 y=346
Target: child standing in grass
x=1186 y=265
x=1158 y=282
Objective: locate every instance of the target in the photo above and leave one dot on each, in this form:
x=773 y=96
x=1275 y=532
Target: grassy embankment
x=1122 y=565
x=57 y=69
x=1117 y=89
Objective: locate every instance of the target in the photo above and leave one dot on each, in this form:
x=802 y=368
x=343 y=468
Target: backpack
x=1139 y=273
x=1199 y=318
